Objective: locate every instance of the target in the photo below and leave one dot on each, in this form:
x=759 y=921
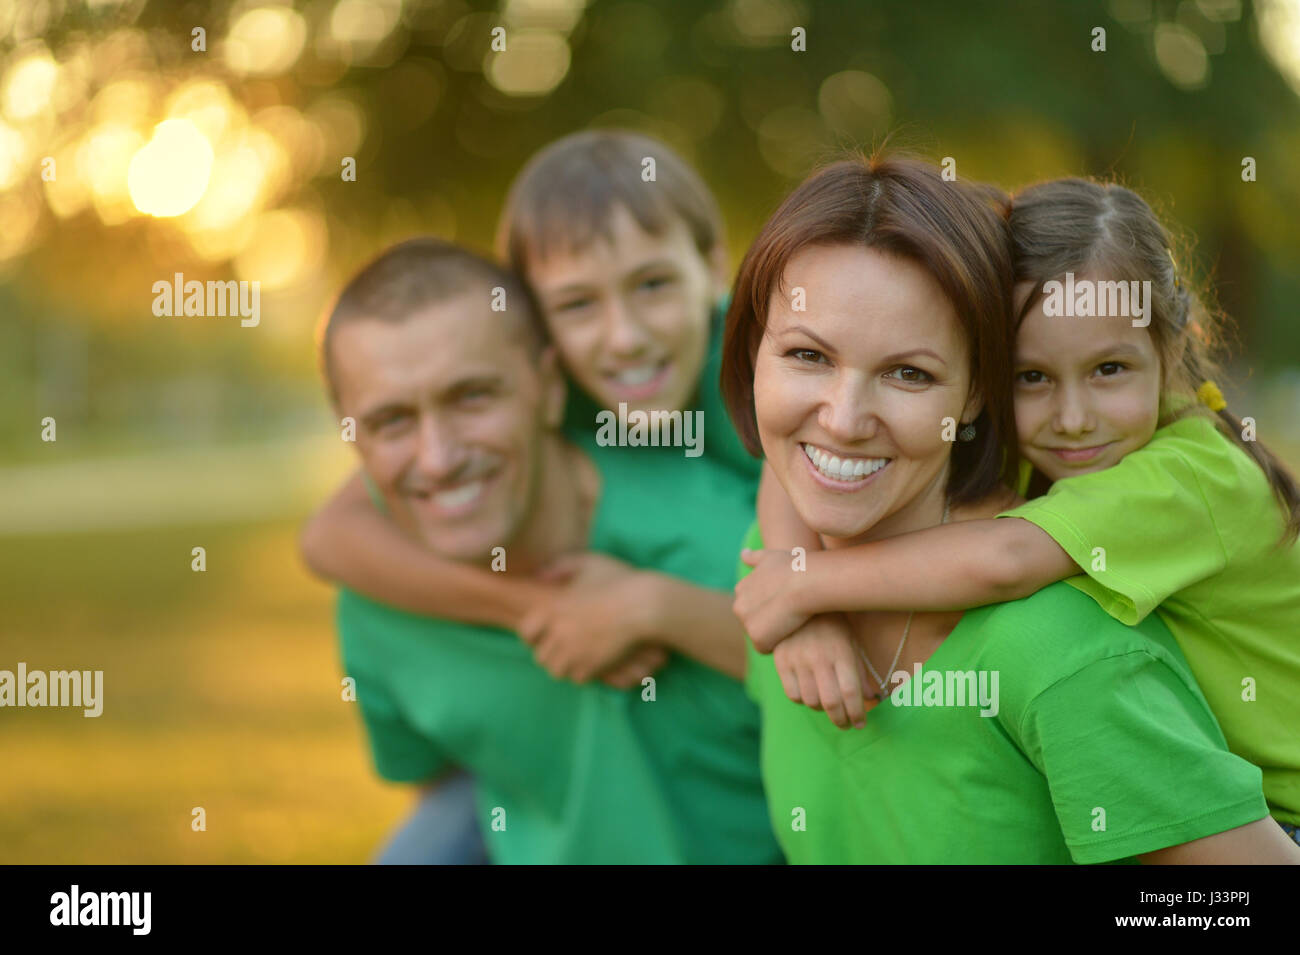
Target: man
x=458 y=406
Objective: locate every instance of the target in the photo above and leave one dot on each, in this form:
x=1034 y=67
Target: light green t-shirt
x=1188 y=525
x=1101 y=749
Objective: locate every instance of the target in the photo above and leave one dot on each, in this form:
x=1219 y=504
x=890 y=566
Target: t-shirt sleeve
x=1134 y=760
x=401 y=754
x=1141 y=530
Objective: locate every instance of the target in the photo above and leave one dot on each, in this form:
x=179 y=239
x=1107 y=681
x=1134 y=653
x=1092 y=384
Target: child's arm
x=348 y=541
x=944 y=568
x=613 y=609
x=778 y=521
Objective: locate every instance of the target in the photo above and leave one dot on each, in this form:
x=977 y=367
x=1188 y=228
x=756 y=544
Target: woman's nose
x=847 y=410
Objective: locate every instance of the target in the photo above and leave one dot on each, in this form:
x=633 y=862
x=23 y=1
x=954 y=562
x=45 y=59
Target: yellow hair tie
x=1211 y=396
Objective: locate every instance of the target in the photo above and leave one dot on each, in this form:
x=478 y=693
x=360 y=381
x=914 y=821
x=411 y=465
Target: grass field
x=221 y=690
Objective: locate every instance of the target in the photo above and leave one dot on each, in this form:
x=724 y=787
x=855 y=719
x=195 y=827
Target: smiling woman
x=1100 y=746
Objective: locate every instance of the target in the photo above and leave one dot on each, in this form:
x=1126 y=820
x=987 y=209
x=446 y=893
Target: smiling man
x=458 y=409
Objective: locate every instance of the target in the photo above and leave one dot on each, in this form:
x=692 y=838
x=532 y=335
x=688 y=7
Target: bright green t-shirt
x=1101 y=748
x=583 y=773
x=1189 y=526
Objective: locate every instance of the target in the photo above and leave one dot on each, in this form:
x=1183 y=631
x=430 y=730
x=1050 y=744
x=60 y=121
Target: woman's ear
x=554 y=388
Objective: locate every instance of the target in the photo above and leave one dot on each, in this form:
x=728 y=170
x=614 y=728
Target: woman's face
x=851 y=391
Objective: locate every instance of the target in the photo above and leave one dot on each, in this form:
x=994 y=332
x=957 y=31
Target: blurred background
x=140 y=139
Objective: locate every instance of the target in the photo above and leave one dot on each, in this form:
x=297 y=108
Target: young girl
x=1161 y=496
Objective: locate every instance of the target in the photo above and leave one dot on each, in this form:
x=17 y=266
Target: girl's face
x=851 y=392
x=630 y=315
x=1087 y=390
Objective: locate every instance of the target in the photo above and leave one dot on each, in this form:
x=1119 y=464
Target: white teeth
x=450 y=500
x=846 y=469
x=637 y=376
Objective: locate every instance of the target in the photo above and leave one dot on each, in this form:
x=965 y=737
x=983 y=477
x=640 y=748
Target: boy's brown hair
x=564 y=196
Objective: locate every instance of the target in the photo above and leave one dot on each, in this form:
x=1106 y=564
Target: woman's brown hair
x=900 y=206
x=1077 y=225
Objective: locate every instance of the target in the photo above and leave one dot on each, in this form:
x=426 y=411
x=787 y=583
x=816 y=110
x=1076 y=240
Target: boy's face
x=630 y=316
x=451 y=415
x=1087 y=390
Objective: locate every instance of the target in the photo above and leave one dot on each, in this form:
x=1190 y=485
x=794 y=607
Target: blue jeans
x=441 y=830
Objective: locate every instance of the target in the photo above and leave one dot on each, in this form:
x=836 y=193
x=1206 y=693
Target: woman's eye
x=1114 y=366
x=1030 y=377
x=809 y=355
x=912 y=375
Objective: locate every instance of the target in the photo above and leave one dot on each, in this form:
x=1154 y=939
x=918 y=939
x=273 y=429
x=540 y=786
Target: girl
x=1158 y=498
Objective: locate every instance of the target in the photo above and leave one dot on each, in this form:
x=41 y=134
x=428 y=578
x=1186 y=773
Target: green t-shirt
x=1188 y=526
x=1101 y=748
x=721 y=443
x=584 y=774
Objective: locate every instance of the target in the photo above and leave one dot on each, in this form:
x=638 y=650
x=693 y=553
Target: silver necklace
x=906 y=627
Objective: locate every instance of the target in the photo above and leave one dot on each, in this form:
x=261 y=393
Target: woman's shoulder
x=1059 y=632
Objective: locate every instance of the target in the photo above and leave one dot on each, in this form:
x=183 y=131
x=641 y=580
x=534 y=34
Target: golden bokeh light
x=286 y=245
x=169 y=174
x=265 y=41
x=103 y=159
x=29 y=85
x=533 y=63
x=13 y=155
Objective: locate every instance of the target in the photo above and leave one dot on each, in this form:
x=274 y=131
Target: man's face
x=451 y=414
x=631 y=316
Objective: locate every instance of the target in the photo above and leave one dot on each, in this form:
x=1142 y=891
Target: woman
x=870 y=316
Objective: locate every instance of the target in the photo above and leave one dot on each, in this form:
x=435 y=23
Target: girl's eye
x=1030 y=377
x=807 y=355
x=912 y=375
x=1114 y=366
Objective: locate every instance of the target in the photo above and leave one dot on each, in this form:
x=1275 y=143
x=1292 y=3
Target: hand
x=767 y=598
x=642 y=662
x=820 y=667
x=595 y=622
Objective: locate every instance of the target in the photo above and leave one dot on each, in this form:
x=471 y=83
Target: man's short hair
x=413 y=275
x=566 y=193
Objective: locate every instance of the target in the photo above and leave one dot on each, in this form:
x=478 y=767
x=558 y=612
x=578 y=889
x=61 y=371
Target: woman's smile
x=841 y=472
